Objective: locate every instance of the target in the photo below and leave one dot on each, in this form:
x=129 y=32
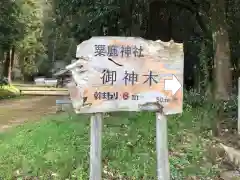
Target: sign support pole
x=163 y=170
x=96 y=147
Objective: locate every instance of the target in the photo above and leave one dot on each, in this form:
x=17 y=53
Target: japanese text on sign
x=114 y=51
x=129 y=78
x=126 y=73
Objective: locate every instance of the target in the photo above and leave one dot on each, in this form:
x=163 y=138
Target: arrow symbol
x=172 y=85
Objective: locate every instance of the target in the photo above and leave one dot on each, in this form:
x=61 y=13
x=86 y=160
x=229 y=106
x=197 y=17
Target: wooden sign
x=128 y=74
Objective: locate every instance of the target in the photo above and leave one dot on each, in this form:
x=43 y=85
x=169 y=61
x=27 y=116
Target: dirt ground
x=17 y=111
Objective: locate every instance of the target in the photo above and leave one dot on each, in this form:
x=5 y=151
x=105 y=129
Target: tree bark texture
x=222 y=61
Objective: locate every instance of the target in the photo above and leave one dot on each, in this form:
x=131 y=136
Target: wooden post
x=96 y=147
x=238 y=105
x=163 y=169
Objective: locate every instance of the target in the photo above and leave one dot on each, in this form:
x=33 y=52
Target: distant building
x=63 y=76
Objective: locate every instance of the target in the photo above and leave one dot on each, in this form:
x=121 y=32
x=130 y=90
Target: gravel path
x=17 y=111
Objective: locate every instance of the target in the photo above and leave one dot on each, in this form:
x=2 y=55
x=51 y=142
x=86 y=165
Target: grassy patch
x=58 y=147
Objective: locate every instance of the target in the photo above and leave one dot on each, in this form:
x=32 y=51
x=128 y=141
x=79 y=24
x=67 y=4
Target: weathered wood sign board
x=127 y=74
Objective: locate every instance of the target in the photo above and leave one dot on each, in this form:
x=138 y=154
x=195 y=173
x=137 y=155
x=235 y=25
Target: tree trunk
x=10 y=67
x=222 y=61
x=159 y=15
x=6 y=63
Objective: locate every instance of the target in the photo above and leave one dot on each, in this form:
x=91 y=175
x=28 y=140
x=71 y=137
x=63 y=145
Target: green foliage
x=31 y=49
x=8 y=91
x=21 y=28
x=87 y=18
x=12 y=28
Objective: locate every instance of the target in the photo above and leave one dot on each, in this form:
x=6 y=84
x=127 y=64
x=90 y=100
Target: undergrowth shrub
x=8 y=91
x=192 y=99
